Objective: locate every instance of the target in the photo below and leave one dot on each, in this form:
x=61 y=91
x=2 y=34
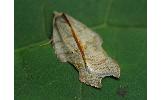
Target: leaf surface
x=39 y=75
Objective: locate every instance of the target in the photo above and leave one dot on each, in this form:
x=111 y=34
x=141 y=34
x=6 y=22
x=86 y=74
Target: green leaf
x=39 y=75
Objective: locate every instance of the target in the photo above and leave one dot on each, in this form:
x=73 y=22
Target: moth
x=75 y=43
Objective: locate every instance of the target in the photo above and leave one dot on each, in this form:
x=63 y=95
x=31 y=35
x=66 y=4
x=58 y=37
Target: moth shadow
x=73 y=67
x=112 y=77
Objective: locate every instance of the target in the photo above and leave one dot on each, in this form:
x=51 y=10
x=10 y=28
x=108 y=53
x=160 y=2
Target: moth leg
x=49 y=42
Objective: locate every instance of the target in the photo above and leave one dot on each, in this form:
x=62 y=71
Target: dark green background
x=39 y=75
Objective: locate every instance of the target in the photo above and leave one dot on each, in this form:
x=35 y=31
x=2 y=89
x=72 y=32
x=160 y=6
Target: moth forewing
x=71 y=51
x=76 y=43
x=59 y=46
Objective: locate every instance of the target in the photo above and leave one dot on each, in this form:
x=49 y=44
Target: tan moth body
x=77 y=44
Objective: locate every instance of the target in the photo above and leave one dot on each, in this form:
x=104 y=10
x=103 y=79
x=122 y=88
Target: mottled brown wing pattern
x=66 y=49
x=97 y=60
x=82 y=47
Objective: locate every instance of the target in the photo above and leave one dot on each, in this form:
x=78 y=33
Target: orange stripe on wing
x=76 y=38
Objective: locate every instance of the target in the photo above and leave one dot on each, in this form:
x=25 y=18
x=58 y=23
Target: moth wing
x=83 y=32
x=98 y=62
x=70 y=49
x=58 y=45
